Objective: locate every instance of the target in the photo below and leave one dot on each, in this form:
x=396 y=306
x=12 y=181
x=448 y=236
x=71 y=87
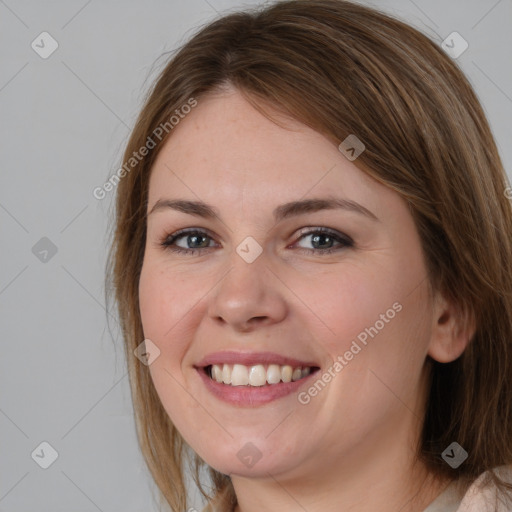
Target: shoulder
x=484 y=496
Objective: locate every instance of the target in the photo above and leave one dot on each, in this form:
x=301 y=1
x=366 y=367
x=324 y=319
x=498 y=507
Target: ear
x=452 y=330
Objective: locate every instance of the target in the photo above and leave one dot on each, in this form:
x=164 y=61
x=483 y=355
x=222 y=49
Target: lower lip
x=245 y=396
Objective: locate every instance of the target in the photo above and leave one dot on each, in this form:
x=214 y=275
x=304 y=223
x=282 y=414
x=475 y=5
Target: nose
x=248 y=296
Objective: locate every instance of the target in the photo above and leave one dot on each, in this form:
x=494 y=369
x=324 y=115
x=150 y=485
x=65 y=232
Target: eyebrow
x=284 y=211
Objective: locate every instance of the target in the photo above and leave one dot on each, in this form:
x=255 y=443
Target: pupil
x=317 y=237
x=194 y=238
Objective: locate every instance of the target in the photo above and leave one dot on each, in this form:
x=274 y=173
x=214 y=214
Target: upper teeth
x=257 y=375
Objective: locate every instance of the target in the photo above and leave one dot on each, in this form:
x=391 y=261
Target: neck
x=391 y=492
x=381 y=473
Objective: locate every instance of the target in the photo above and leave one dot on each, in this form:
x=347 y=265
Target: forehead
x=227 y=131
x=226 y=150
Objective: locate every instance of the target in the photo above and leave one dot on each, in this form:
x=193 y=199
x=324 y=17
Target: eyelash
x=168 y=242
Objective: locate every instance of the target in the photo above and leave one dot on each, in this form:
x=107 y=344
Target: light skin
x=352 y=445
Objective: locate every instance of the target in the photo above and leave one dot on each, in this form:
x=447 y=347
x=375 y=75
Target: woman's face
x=264 y=290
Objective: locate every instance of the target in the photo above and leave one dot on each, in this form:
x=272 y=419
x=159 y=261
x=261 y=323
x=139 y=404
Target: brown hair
x=342 y=68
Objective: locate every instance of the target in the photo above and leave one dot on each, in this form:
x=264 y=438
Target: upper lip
x=252 y=358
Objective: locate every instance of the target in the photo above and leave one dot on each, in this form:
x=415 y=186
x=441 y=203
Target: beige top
x=476 y=498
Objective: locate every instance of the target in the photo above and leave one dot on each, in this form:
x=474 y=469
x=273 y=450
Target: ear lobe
x=452 y=330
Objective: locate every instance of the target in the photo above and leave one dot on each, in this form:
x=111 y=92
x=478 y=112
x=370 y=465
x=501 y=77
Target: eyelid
x=325 y=230
x=343 y=240
x=171 y=238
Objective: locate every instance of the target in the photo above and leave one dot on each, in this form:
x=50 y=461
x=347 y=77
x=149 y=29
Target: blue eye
x=324 y=236
x=199 y=240
x=193 y=237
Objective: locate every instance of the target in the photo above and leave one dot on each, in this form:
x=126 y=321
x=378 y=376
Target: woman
x=312 y=261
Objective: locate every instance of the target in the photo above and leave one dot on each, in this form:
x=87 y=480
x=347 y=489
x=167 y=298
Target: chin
x=253 y=459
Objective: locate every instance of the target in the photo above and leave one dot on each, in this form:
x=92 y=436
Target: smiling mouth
x=257 y=375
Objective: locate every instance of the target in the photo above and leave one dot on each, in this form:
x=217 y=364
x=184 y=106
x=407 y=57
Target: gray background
x=64 y=121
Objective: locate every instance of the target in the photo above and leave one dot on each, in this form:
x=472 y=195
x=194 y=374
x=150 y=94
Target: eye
x=196 y=240
x=194 y=237
x=324 y=238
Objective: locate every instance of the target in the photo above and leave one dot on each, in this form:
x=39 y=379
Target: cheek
x=152 y=293
x=342 y=304
x=166 y=304
x=381 y=334
x=165 y=300
x=376 y=320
